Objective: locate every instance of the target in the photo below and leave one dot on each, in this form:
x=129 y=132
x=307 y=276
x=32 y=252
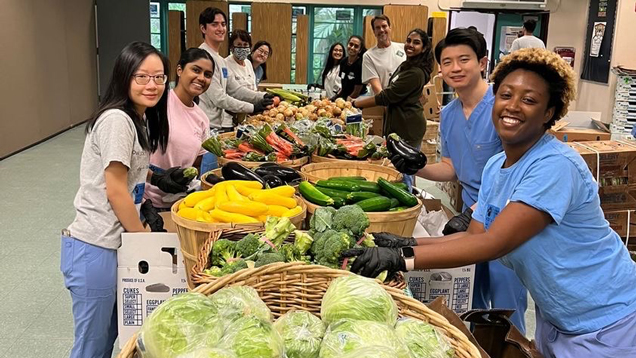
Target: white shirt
x=526 y=42
x=244 y=75
x=380 y=63
x=333 y=82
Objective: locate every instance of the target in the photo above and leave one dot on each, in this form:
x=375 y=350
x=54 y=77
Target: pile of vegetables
x=359 y=319
x=296 y=106
x=369 y=195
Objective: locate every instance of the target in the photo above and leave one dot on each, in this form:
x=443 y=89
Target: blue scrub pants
x=617 y=340
x=208 y=162
x=90 y=274
x=409 y=180
x=497 y=286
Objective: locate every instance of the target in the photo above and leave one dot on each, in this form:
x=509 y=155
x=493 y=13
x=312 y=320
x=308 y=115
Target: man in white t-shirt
x=379 y=62
x=528 y=40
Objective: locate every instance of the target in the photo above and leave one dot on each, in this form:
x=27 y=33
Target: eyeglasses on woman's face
x=145 y=79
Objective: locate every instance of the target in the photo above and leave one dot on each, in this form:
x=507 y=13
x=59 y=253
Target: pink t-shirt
x=189 y=127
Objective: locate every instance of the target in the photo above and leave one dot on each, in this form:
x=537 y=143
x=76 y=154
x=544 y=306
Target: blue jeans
x=208 y=163
x=90 y=274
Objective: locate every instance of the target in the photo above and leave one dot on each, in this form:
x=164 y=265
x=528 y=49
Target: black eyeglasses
x=145 y=79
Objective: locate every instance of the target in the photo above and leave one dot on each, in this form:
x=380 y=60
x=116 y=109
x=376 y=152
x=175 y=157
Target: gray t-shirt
x=526 y=42
x=112 y=139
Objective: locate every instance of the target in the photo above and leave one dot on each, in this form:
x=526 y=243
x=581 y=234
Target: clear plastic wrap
x=182 y=324
x=372 y=352
x=235 y=302
x=302 y=333
x=251 y=337
x=357 y=297
x=423 y=340
x=209 y=353
x=346 y=336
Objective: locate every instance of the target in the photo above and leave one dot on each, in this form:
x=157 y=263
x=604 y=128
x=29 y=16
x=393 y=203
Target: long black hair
x=116 y=97
x=424 y=60
x=264 y=64
x=331 y=62
x=190 y=55
x=363 y=48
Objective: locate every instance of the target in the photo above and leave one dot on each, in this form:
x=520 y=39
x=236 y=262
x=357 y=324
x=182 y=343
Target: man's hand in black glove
x=153 y=219
x=371 y=262
x=459 y=223
x=403 y=166
x=170 y=181
x=261 y=105
x=385 y=239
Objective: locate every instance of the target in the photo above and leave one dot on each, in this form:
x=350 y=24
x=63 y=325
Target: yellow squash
x=240 y=183
x=188 y=213
x=293 y=212
x=226 y=217
x=273 y=199
x=204 y=216
x=249 y=208
x=234 y=195
x=191 y=200
x=220 y=196
x=206 y=204
x=287 y=191
x=243 y=190
x=276 y=210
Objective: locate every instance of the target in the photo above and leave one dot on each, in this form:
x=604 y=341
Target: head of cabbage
x=346 y=336
x=234 y=302
x=180 y=325
x=302 y=333
x=209 y=353
x=359 y=298
x=251 y=337
x=372 y=352
x=423 y=340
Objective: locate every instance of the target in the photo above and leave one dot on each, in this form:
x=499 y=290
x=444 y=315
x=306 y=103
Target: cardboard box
x=455 y=285
x=619 y=197
x=454 y=191
x=150 y=270
x=590 y=130
x=376 y=115
x=624 y=223
x=615 y=159
x=432 y=131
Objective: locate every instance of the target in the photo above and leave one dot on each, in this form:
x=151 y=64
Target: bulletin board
x=598 y=40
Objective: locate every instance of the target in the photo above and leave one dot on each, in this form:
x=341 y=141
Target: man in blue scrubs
x=469 y=139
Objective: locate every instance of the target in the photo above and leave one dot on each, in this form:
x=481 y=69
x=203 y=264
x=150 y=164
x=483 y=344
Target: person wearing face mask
x=189 y=126
x=331 y=81
x=240 y=66
x=351 y=69
x=380 y=62
x=225 y=93
x=260 y=53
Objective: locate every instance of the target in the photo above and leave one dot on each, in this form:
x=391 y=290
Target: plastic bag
x=302 y=333
x=360 y=298
x=372 y=352
x=182 y=324
x=234 y=302
x=423 y=340
x=251 y=337
x=347 y=336
x=209 y=353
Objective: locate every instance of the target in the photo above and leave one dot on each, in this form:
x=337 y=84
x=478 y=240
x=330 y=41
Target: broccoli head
x=352 y=218
x=334 y=245
x=290 y=252
x=222 y=251
x=302 y=241
x=322 y=219
x=232 y=267
x=319 y=241
x=248 y=245
x=267 y=258
x=214 y=271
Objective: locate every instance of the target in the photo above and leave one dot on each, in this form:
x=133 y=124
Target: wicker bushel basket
x=322 y=171
x=295 y=163
x=287 y=286
x=199 y=277
x=193 y=234
x=205 y=185
x=385 y=162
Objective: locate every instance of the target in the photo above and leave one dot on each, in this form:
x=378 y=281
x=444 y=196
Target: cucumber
x=399 y=208
x=341 y=185
x=356 y=196
x=356 y=185
x=334 y=193
x=338 y=202
x=356 y=178
x=312 y=194
x=379 y=203
x=400 y=194
x=394 y=203
x=402 y=185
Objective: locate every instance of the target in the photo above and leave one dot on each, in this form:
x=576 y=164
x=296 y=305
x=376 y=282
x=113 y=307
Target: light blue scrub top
x=577 y=269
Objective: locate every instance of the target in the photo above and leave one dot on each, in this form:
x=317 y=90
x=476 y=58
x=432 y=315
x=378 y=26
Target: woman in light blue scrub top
x=539 y=213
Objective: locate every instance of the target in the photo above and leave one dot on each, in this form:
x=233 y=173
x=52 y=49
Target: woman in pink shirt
x=189 y=125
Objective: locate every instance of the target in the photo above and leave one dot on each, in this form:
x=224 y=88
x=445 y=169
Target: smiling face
x=195 y=78
x=460 y=66
x=353 y=47
x=521 y=108
x=382 y=30
x=216 y=30
x=261 y=54
x=337 y=53
x=144 y=96
x=413 y=45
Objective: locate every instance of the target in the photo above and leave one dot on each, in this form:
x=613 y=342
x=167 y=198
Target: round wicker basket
x=385 y=162
x=205 y=185
x=295 y=163
x=322 y=171
x=288 y=286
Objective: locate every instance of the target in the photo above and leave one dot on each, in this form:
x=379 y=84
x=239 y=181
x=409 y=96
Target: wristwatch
x=408 y=254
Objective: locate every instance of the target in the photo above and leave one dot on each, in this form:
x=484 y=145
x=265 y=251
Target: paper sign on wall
x=597 y=39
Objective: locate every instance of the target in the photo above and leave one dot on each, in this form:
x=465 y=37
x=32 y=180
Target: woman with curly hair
x=538 y=213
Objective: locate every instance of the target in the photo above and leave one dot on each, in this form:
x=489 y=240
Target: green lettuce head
x=359 y=298
x=209 y=353
x=251 y=337
x=302 y=333
x=372 y=352
x=423 y=340
x=234 y=302
x=180 y=325
x=347 y=336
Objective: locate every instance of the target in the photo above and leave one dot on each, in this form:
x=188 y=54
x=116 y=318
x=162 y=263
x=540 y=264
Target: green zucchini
x=400 y=194
x=338 y=202
x=356 y=178
x=312 y=194
x=334 y=193
x=341 y=185
x=399 y=208
x=394 y=203
x=379 y=203
x=356 y=196
x=402 y=185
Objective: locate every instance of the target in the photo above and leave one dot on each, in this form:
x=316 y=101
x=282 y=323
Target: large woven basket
x=193 y=234
x=199 y=277
x=386 y=162
x=205 y=184
x=295 y=163
x=396 y=222
x=288 y=286
x=322 y=171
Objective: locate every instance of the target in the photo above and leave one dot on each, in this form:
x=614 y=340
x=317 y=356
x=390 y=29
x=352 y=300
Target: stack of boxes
x=430 y=141
x=624 y=115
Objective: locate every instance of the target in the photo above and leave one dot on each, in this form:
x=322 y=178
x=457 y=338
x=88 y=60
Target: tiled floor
x=38 y=187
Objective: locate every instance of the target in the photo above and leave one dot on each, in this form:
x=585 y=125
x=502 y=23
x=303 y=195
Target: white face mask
x=241 y=53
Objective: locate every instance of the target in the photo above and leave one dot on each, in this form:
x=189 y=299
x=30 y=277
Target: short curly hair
x=548 y=65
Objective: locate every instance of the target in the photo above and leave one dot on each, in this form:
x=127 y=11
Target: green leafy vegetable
x=235 y=302
x=252 y=337
x=302 y=333
x=423 y=340
x=346 y=336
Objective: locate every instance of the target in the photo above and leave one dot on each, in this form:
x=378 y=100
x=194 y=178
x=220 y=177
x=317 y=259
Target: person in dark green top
x=405 y=114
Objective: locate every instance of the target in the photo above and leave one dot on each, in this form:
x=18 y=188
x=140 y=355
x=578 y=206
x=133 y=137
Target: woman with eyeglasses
x=130 y=123
x=331 y=81
x=260 y=54
x=189 y=125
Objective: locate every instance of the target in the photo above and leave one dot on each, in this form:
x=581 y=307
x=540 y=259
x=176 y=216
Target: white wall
x=483 y=22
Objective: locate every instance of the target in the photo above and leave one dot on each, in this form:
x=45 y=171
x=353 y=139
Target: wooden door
x=302 y=48
x=405 y=18
x=193 y=31
x=239 y=21
x=437 y=25
x=369 y=37
x=175 y=19
x=272 y=22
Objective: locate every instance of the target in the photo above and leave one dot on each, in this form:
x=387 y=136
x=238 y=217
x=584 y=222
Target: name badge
x=138 y=193
x=224 y=70
x=491 y=213
x=400 y=53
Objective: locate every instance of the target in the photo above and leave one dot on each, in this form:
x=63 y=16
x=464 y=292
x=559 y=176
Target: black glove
x=272 y=96
x=403 y=166
x=153 y=219
x=170 y=181
x=458 y=223
x=372 y=261
x=385 y=239
x=261 y=105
